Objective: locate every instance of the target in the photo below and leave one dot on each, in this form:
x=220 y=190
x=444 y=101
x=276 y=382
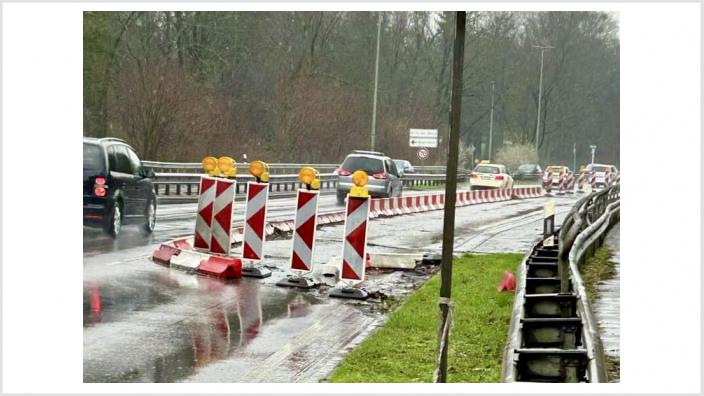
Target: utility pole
x=491 y=122
x=540 y=95
x=448 y=227
x=376 y=79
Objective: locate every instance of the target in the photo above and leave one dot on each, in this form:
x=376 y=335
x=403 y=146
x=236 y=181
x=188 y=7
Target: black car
x=117 y=189
x=528 y=172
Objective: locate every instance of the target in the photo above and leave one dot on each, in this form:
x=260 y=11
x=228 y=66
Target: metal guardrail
x=196 y=167
x=569 y=349
x=274 y=168
x=188 y=184
x=175 y=185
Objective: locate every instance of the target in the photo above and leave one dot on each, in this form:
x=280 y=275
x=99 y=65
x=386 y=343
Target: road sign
x=592 y=146
x=423 y=138
x=423 y=153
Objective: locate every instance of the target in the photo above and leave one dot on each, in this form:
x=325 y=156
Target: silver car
x=384 y=179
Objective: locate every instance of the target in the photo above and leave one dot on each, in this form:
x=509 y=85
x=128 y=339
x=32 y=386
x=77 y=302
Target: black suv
x=117 y=189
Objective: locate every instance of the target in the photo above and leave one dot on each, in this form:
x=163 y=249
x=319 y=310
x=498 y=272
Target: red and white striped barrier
x=222 y=217
x=255 y=219
x=179 y=254
x=570 y=183
x=593 y=181
x=580 y=181
x=607 y=178
x=548 y=183
x=355 y=241
x=561 y=183
x=526 y=192
x=204 y=216
x=303 y=239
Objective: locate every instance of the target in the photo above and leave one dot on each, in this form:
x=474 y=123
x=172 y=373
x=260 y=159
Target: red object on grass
x=508 y=282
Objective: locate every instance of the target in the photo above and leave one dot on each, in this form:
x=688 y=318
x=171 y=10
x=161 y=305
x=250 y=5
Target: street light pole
x=376 y=79
x=491 y=122
x=540 y=94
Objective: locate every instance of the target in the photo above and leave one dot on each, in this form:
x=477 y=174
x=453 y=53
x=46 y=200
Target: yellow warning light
x=359 y=178
x=227 y=166
x=260 y=170
x=210 y=165
x=315 y=184
x=310 y=177
x=307 y=174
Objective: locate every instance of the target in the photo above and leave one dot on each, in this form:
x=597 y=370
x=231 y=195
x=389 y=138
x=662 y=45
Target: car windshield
x=92 y=158
x=400 y=165
x=369 y=165
x=599 y=168
x=526 y=167
x=486 y=169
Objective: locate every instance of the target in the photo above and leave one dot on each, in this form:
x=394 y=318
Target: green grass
x=404 y=349
x=597 y=268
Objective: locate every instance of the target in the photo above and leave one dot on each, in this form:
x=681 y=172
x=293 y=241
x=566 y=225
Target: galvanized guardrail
x=274 y=168
x=178 y=182
x=553 y=336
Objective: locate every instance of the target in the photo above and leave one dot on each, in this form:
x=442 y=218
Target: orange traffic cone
x=508 y=282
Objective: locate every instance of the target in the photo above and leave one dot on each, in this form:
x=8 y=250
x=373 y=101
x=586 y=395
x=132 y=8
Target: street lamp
x=491 y=122
x=540 y=92
x=376 y=79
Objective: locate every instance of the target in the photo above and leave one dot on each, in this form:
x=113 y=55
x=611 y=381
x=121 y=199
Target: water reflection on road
x=231 y=317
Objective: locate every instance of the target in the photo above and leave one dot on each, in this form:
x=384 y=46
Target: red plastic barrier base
x=222 y=267
x=183 y=244
x=164 y=253
x=508 y=282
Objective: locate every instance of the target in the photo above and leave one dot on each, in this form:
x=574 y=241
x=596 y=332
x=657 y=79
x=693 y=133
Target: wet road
x=177 y=220
x=147 y=323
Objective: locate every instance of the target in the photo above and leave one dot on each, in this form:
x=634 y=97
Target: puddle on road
x=232 y=315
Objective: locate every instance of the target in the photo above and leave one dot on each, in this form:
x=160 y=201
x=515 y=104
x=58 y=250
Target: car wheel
x=341 y=197
x=150 y=217
x=114 y=224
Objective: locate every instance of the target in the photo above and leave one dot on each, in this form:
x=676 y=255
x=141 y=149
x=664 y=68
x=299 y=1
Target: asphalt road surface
x=147 y=323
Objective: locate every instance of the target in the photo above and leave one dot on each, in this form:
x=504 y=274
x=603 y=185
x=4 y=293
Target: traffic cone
x=508 y=282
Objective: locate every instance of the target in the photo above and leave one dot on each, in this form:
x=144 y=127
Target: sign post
x=354 y=245
x=593 y=147
x=303 y=239
x=255 y=220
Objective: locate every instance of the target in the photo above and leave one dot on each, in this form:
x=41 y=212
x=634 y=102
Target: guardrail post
x=168 y=189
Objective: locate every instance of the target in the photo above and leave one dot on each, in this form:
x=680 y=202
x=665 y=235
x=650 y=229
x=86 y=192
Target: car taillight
x=100 y=191
x=379 y=175
x=498 y=177
x=344 y=172
x=473 y=175
x=99 y=180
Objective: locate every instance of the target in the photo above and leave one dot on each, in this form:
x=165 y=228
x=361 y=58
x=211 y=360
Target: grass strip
x=404 y=349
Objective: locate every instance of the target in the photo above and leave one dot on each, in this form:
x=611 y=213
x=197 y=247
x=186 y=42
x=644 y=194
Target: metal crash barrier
x=553 y=335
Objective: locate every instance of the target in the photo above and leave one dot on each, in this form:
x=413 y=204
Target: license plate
x=486 y=177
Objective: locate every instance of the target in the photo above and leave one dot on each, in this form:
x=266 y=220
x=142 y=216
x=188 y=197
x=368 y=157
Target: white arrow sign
x=423 y=138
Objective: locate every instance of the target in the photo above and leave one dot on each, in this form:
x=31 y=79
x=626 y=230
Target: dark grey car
x=384 y=179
